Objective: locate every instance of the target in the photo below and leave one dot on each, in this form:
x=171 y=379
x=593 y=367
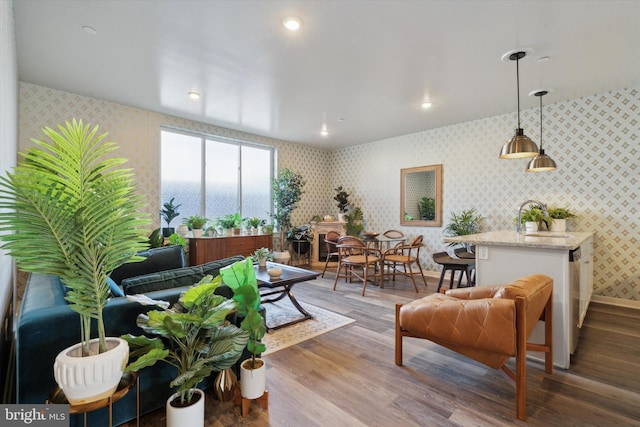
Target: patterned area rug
x=283 y=311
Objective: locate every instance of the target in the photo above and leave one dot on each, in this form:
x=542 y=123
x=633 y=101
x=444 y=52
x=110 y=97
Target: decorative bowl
x=370 y=234
x=329 y=218
x=274 y=272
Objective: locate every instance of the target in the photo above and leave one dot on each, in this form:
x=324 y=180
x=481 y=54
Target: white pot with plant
x=261 y=256
x=241 y=277
x=195 y=224
x=559 y=218
x=533 y=218
x=342 y=197
x=195 y=337
x=68 y=209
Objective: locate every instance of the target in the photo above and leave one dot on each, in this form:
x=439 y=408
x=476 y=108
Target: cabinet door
x=203 y=250
x=264 y=241
x=586 y=278
x=241 y=245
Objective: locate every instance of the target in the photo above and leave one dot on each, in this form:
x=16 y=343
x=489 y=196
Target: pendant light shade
x=520 y=145
x=541 y=162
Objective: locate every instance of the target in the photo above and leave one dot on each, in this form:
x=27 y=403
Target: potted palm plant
x=463 y=223
x=241 y=277
x=75 y=213
x=169 y=212
x=195 y=337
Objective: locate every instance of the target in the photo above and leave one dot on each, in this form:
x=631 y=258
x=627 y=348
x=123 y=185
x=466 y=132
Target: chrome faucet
x=532 y=202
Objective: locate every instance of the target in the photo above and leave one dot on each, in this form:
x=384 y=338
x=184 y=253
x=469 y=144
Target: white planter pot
x=192 y=415
x=253 y=382
x=281 y=257
x=183 y=230
x=530 y=227
x=90 y=378
x=197 y=232
x=341 y=217
x=559 y=225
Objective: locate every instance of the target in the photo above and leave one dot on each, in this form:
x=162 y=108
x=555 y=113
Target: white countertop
x=542 y=239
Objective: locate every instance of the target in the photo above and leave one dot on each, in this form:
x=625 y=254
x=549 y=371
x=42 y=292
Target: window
x=214 y=176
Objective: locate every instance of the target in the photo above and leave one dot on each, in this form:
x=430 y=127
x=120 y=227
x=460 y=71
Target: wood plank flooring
x=347 y=377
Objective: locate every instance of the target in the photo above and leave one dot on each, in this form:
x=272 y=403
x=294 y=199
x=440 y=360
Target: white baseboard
x=616 y=301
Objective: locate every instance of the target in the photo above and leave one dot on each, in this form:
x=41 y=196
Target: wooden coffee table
x=282 y=287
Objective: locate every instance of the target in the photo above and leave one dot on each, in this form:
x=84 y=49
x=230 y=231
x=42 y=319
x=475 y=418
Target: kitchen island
x=566 y=257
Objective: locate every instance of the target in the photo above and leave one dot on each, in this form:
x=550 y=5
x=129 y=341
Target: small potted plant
x=195 y=224
x=195 y=337
x=342 y=197
x=559 y=217
x=254 y=224
x=532 y=218
x=261 y=256
x=462 y=224
x=354 y=225
x=231 y=223
x=241 y=277
x=169 y=212
x=301 y=238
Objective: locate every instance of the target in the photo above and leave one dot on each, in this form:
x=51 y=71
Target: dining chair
x=353 y=255
x=404 y=256
x=330 y=240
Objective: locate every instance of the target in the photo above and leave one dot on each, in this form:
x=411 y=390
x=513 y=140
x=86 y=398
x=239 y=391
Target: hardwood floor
x=347 y=377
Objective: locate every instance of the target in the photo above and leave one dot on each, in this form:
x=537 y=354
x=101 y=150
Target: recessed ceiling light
x=194 y=95
x=90 y=30
x=426 y=104
x=292 y=23
x=324 y=131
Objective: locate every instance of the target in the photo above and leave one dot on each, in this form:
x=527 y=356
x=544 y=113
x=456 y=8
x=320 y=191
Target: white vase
x=197 y=232
x=192 y=415
x=281 y=257
x=341 y=217
x=253 y=382
x=530 y=226
x=90 y=378
x=559 y=225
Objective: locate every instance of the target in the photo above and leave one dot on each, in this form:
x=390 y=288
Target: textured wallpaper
x=594 y=141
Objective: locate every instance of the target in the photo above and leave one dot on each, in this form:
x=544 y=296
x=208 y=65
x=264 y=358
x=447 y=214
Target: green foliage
x=342 y=197
x=241 y=277
x=466 y=222
x=354 y=225
x=255 y=222
x=176 y=239
x=230 y=221
x=533 y=214
x=304 y=232
x=427 y=209
x=169 y=211
x=195 y=222
x=70 y=210
x=262 y=253
x=560 y=213
x=287 y=191
x=194 y=336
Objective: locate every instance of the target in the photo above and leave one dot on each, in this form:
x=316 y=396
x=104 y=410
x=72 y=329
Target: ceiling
x=362 y=68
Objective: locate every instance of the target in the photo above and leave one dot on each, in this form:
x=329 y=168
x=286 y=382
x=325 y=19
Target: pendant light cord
x=518 y=87
x=540 y=123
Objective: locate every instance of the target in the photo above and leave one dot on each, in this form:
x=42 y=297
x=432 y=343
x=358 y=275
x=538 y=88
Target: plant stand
x=262 y=401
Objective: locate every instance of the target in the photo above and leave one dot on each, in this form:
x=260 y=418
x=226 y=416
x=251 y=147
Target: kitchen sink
x=557 y=236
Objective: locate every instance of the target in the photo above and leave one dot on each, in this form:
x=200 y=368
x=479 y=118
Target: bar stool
x=464 y=266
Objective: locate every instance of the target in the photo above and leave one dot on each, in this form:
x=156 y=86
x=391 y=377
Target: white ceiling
x=361 y=67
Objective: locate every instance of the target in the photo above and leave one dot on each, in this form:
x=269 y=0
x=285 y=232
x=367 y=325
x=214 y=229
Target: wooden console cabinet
x=206 y=249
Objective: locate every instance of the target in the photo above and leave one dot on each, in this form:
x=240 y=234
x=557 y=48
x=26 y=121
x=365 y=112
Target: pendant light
x=541 y=162
x=520 y=145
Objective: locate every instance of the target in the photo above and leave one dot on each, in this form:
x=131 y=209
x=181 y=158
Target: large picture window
x=214 y=176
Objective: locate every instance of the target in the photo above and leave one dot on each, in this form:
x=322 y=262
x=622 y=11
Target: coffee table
x=282 y=287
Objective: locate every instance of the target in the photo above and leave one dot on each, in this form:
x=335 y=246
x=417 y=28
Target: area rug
x=283 y=311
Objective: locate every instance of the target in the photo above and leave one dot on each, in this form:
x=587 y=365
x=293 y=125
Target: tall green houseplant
x=287 y=191
x=76 y=214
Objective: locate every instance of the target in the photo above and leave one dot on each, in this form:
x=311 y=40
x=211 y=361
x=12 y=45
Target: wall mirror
x=421 y=196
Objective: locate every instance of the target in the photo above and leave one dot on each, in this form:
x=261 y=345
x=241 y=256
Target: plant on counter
x=342 y=197
x=169 y=212
x=69 y=209
x=560 y=213
x=194 y=335
x=463 y=223
x=230 y=221
x=195 y=222
x=534 y=214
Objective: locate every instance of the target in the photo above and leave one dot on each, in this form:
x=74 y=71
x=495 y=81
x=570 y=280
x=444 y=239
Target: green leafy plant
x=195 y=222
x=342 y=197
x=77 y=215
x=262 y=253
x=241 y=277
x=194 y=335
x=560 y=213
x=287 y=191
x=255 y=222
x=230 y=221
x=427 y=208
x=534 y=214
x=464 y=223
x=354 y=225
x=169 y=211
x=303 y=232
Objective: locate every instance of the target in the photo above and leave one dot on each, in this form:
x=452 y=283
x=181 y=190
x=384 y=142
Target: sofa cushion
x=157 y=259
x=175 y=278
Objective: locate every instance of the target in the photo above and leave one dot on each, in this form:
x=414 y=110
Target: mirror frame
x=403 y=175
